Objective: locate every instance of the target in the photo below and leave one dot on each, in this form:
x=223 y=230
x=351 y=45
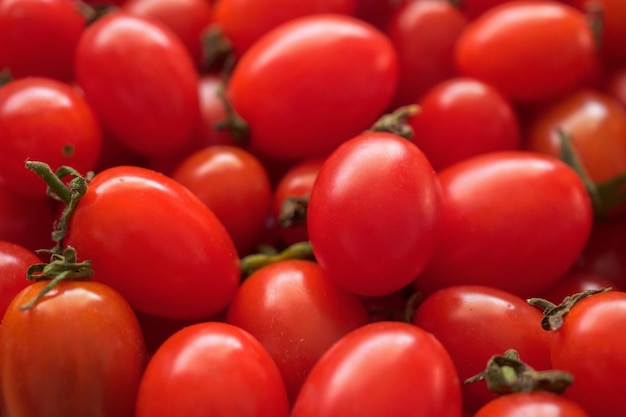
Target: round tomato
x=374 y=214
x=512 y=220
x=212 y=369
x=78 y=352
x=276 y=86
x=529 y=50
x=538 y=404
x=383 y=368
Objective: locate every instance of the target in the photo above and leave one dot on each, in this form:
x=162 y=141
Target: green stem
x=254 y=262
x=396 y=122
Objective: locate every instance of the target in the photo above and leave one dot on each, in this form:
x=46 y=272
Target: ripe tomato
x=484 y=121
x=78 y=352
x=374 y=214
x=234 y=185
x=512 y=220
x=212 y=369
x=14 y=262
x=383 y=368
x=475 y=322
x=275 y=86
x=140 y=81
x=39 y=37
x=536 y=404
x=156 y=243
x=296 y=313
x=212 y=112
x=529 y=50
x=576 y=281
x=44 y=119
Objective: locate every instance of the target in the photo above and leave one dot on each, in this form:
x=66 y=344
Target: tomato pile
x=324 y=208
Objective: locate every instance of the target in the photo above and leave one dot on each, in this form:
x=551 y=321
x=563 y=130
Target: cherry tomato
x=275 y=86
x=529 y=50
x=14 y=262
x=537 y=404
x=424 y=34
x=212 y=369
x=484 y=121
x=475 y=322
x=212 y=113
x=512 y=220
x=156 y=243
x=234 y=185
x=39 y=37
x=79 y=351
x=140 y=81
x=374 y=214
x=47 y=120
x=383 y=368
x=296 y=313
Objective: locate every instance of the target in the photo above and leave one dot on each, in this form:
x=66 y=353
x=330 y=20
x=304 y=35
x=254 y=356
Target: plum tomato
x=536 y=404
x=374 y=214
x=14 y=262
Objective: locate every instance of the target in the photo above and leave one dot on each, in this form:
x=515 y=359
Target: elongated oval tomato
x=277 y=85
x=156 y=243
x=141 y=82
x=78 y=352
x=374 y=214
x=383 y=368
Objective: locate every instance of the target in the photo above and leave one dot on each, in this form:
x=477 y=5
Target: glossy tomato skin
x=39 y=37
x=590 y=346
x=156 y=243
x=46 y=120
x=374 y=214
x=296 y=313
x=290 y=117
x=512 y=220
x=383 y=368
x=529 y=50
x=484 y=121
x=82 y=342
x=214 y=369
x=474 y=323
x=14 y=262
x=122 y=61
x=539 y=404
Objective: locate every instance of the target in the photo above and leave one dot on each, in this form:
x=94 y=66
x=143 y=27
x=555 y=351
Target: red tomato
x=473 y=323
x=296 y=313
x=529 y=50
x=536 y=404
x=383 y=368
x=615 y=84
x=235 y=186
x=14 y=262
x=243 y=22
x=424 y=34
x=140 y=81
x=512 y=220
x=156 y=243
x=376 y=12
x=484 y=121
x=46 y=120
x=212 y=369
x=39 y=37
x=590 y=346
x=575 y=282
x=374 y=214
x=81 y=342
x=275 y=86
x=212 y=113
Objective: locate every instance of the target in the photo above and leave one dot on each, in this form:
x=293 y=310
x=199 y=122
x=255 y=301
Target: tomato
x=590 y=346
x=615 y=84
x=275 y=87
x=44 y=119
x=529 y=50
x=296 y=313
x=140 y=81
x=156 y=243
x=212 y=113
x=79 y=351
x=212 y=369
x=383 y=368
x=484 y=121
x=538 y=404
x=243 y=22
x=39 y=37
x=234 y=185
x=512 y=220
x=576 y=281
x=14 y=261
x=475 y=322
x=424 y=34
x=374 y=214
